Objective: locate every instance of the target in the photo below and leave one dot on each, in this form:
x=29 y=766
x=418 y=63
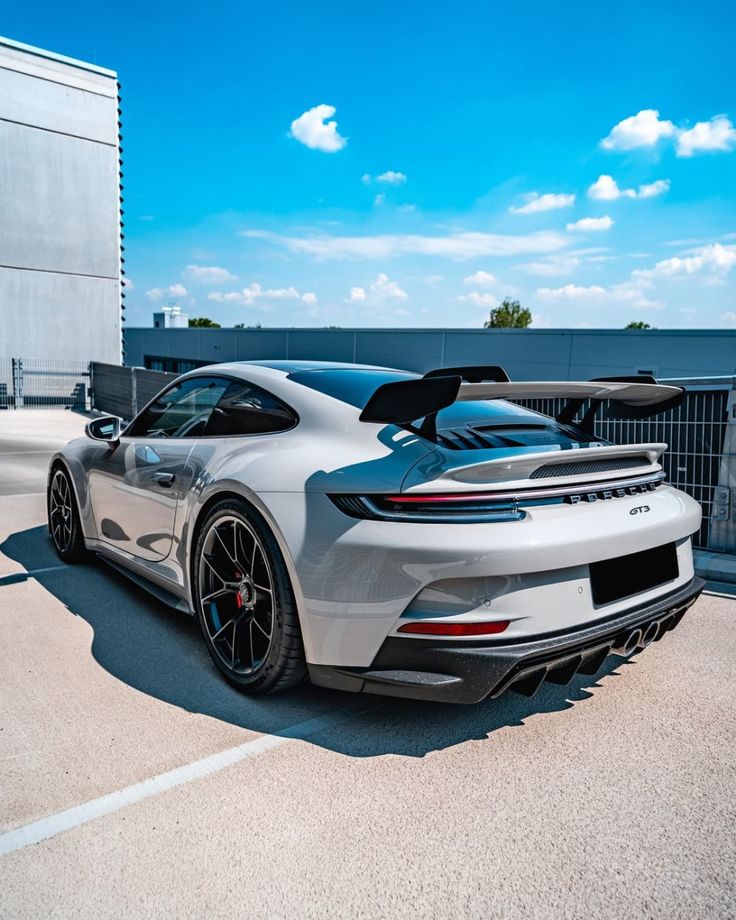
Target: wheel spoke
x=255 y=622
x=262 y=588
x=221 y=630
x=242 y=567
x=219 y=593
x=208 y=561
x=232 y=647
x=227 y=551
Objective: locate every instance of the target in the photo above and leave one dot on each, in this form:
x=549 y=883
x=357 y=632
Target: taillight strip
x=425 y=628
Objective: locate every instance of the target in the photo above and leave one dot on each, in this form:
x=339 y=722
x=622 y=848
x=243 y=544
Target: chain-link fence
x=41 y=383
x=699 y=456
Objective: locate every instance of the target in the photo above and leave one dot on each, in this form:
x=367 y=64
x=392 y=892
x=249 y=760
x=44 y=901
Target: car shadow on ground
x=159 y=651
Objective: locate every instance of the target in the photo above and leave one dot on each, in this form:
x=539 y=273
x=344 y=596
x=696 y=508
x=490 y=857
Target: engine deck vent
x=550 y=470
x=465 y=439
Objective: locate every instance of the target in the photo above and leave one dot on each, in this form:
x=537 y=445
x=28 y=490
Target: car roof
x=293 y=367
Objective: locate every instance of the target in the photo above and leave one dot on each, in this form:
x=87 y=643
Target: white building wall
x=60 y=293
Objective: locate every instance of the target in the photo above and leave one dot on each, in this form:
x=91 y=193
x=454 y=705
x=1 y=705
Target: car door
x=136 y=486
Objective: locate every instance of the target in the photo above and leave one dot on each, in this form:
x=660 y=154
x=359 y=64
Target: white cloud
x=716 y=134
x=552 y=266
x=536 y=203
x=127 y=284
x=715 y=260
x=591 y=223
x=379 y=199
x=627 y=292
x=478 y=299
x=173 y=290
x=729 y=318
x=652 y=189
x=480 y=279
x=312 y=129
x=605 y=188
x=459 y=245
x=255 y=295
x=383 y=288
x=208 y=274
x=571 y=292
x=387 y=178
x=644 y=129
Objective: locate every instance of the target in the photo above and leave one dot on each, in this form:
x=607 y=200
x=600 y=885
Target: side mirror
x=107 y=429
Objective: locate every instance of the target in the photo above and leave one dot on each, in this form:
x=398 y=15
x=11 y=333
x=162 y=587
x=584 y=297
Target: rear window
x=486 y=423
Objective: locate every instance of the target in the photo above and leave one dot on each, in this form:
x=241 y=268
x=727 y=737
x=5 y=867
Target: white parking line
x=13 y=578
x=49 y=568
x=114 y=801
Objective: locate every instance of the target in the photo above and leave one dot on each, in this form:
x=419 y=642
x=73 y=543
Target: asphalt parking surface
x=611 y=797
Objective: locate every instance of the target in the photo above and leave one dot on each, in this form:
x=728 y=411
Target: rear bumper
x=452 y=672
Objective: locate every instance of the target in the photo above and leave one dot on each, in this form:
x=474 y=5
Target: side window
x=183 y=411
x=247 y=409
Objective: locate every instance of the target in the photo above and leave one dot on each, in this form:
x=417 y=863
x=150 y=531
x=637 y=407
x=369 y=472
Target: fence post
x=134 y=392
x=722 y=534
x=18 y=382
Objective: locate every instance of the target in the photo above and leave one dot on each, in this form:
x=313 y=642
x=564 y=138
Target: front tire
x=63 y=518
x=244 y=602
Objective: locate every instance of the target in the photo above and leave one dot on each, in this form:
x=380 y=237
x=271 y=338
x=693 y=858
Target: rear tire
x=63 y=517
x=244 y=601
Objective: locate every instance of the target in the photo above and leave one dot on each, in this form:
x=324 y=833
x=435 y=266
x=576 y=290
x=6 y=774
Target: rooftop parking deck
x=318 y=804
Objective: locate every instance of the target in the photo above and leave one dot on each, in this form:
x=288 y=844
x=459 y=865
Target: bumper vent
x=551 y=470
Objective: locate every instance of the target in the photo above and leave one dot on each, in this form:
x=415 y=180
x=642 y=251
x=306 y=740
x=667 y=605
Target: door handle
x=164 y=479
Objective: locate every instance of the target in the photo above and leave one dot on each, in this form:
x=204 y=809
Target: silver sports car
x=382 y=531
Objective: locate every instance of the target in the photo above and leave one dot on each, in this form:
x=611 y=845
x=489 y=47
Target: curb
x=720 y=567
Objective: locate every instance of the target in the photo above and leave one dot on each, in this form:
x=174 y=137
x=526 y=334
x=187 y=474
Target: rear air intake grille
x=551 y=470
x=464 y=439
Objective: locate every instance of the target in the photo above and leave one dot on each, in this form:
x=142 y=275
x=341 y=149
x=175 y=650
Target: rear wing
x=406 y=401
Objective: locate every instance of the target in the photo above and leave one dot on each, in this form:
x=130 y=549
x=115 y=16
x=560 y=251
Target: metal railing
x=124 y=391
x=701 y=432
x=701 y=459
x=40 y=383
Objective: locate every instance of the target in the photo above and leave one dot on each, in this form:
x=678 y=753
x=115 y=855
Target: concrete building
x=532 y=354
x=60 y=215
x=170 y=318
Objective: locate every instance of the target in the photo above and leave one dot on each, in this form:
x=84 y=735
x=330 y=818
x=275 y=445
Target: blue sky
x=465 y=164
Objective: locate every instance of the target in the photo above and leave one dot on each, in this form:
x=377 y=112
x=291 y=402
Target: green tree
x=638 y=324
x=203 y=322
x=508 y=315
